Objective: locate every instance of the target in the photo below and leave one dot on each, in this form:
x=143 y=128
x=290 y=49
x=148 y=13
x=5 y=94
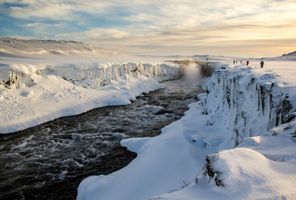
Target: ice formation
x=33 y=94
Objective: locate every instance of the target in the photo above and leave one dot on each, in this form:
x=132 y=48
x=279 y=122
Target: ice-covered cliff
x=250 y=104
x=87 y=75
x=236 y=142
x=31 y=94
x=259 y=128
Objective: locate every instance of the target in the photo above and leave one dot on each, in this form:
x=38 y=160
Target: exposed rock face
x=211 y=173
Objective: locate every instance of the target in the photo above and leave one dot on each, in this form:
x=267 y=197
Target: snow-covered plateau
x=236 y=142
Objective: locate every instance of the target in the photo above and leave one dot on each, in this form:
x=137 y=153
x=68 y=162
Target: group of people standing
x=247 y=62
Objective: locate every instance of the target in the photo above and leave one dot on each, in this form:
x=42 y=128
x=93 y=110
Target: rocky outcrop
x=15 y=79
x=210 y=172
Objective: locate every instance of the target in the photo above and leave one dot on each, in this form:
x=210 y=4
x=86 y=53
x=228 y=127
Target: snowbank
x=262 y=167
x=239 y=108
x=32 y=94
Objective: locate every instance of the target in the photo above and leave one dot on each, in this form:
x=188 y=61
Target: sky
x=158 y=27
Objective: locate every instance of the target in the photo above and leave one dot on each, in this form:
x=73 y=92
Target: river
x=49 y=161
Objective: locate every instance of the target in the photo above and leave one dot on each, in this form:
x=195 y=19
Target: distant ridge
x=58 y=50
x=290 y=54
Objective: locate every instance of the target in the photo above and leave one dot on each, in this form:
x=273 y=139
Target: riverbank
x=34 y=94
x=249 y=112
x=49 y=161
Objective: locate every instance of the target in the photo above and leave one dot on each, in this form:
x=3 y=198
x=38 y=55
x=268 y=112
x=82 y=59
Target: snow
x=37 y=84
x=285 y=75
x=149 y=174
x=262 y=167
x=67 y=89
x=234 y=143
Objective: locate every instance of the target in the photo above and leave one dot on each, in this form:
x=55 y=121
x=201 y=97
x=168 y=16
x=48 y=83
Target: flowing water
x=48 y=161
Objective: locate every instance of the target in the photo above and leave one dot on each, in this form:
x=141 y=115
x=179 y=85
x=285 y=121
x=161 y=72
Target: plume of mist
x=192 y=73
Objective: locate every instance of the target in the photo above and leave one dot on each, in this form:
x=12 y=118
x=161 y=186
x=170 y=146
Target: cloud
x=139 y=25
x=96 y=34
x=54 y=10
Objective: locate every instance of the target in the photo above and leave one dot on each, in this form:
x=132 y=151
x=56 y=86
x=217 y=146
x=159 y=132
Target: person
x=248 y=63
x=234 y=62
x=262 y=63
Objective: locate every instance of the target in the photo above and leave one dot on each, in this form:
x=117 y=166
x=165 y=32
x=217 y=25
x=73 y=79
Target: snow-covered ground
x=37 y=84
x=236 y=142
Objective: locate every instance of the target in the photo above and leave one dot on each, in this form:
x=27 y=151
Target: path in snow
x=50 y=160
